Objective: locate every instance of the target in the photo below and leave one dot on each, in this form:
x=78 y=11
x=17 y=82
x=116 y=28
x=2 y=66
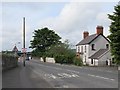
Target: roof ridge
x=87 y=39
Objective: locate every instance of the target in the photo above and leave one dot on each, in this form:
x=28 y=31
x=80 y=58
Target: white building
x=94 y=49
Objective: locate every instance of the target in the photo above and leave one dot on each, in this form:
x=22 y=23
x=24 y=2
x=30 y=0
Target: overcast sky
x=67 y=19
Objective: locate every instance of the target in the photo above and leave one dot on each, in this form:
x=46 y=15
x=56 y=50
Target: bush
x=59 y=59
x=78 y=61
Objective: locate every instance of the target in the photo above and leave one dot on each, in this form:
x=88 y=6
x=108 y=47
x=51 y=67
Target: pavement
x=38 y=74
x=22 y=77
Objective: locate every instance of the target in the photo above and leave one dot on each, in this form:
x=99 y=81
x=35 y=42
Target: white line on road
x=100 y=77
x=50 y=76
x=108 y=71
x=60 y=68
x=72 y=71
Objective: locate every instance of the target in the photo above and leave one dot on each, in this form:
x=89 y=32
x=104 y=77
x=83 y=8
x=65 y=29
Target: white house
x=94 y=49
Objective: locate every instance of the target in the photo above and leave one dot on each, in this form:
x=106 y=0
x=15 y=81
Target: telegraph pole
x=24 y=51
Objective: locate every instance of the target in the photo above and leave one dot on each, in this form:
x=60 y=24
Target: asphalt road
x=38 y=74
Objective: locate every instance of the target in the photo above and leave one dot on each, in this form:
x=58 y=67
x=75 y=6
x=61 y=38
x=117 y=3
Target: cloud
x=69 y=20
x=75 y=18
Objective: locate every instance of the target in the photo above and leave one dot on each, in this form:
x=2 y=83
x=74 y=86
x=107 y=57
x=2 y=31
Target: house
x=94 y=49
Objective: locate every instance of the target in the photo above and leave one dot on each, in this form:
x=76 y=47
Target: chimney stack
x=85 y=34
x=99 y=30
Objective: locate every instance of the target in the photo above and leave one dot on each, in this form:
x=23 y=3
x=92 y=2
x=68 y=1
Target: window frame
x=93 y=47
x=107 y=46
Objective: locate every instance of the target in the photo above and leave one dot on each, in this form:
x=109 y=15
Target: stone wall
x=9 y=61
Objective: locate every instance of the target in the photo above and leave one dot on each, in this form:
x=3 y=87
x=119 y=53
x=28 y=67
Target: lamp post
x=24 y=53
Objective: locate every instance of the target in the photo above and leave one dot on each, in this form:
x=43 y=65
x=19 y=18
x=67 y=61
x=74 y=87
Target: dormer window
x=93 y=46
x=107 y=46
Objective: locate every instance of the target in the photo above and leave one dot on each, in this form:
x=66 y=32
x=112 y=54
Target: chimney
x=85 y=34
x=99 y=30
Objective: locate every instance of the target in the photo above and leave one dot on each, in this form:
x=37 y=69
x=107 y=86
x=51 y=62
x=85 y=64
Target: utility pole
x=24 y=51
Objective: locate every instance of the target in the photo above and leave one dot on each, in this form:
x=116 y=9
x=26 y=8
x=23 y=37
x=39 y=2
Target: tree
x=115 y=33
x=62 y=53
x=43 y=39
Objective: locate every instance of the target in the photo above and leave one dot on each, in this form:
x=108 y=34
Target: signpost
x=24 y=53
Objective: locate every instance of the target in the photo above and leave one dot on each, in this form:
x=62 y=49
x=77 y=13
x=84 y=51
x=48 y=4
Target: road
x=38 y=74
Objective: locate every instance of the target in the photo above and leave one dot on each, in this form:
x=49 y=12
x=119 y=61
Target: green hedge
x=9 y=61
x=66 y=59
x=78 y=61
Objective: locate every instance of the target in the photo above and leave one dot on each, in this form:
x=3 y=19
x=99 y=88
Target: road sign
x=24 y=50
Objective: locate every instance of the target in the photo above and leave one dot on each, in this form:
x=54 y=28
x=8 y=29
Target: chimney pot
x=99 y=30
x=85 y=34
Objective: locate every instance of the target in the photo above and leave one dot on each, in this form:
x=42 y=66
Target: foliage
x=62 y=53
x=42 y=41
x=78 y=61
x=115 y=33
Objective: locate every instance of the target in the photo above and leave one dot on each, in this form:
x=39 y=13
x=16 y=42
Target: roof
x=90 y=38
x=15 y=49
x=98 y=53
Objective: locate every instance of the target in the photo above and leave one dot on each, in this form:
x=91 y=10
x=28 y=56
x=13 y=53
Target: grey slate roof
x=87 y=39
x=98 y=53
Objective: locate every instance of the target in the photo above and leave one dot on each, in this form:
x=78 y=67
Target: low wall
x=9 y=61
x=48 y=59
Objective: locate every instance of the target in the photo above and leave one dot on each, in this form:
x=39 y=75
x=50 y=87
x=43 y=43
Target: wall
x=9 y=61
x=102 y=59
x=48 y=59
x=100 y=43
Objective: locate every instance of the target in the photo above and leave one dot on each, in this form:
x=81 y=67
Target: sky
x=68 y=19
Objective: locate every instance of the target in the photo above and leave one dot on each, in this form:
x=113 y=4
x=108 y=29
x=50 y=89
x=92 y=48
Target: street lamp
x=24 y=53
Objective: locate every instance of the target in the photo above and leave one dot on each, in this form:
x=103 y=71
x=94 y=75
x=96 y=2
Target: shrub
x=59 y=59
x=78 y=61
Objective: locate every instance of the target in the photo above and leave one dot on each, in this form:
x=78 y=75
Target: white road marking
x=109 y=71
x=65 y=86
x=100 y=77
x=74 y=75
x=60 y=68
x=72 y=71
x=65 y=75
x=61 y=75
x=50 y=76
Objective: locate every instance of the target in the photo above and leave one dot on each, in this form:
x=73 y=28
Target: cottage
x=94 y=49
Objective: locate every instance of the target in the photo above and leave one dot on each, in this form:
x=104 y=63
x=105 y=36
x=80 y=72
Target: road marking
x=61 y=75
x=65 y=75
x=100 y=77
x=60 y=69
x=72 y=71
x=109 y=71
x=65 y=86
x=50 y=76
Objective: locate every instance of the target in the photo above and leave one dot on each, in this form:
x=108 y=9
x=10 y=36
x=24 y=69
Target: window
x=107 y=46
x=81 y=48
x=91 y=61
x=93 y=46
x=85 y=59
x=85 y=48
x=78 y=49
